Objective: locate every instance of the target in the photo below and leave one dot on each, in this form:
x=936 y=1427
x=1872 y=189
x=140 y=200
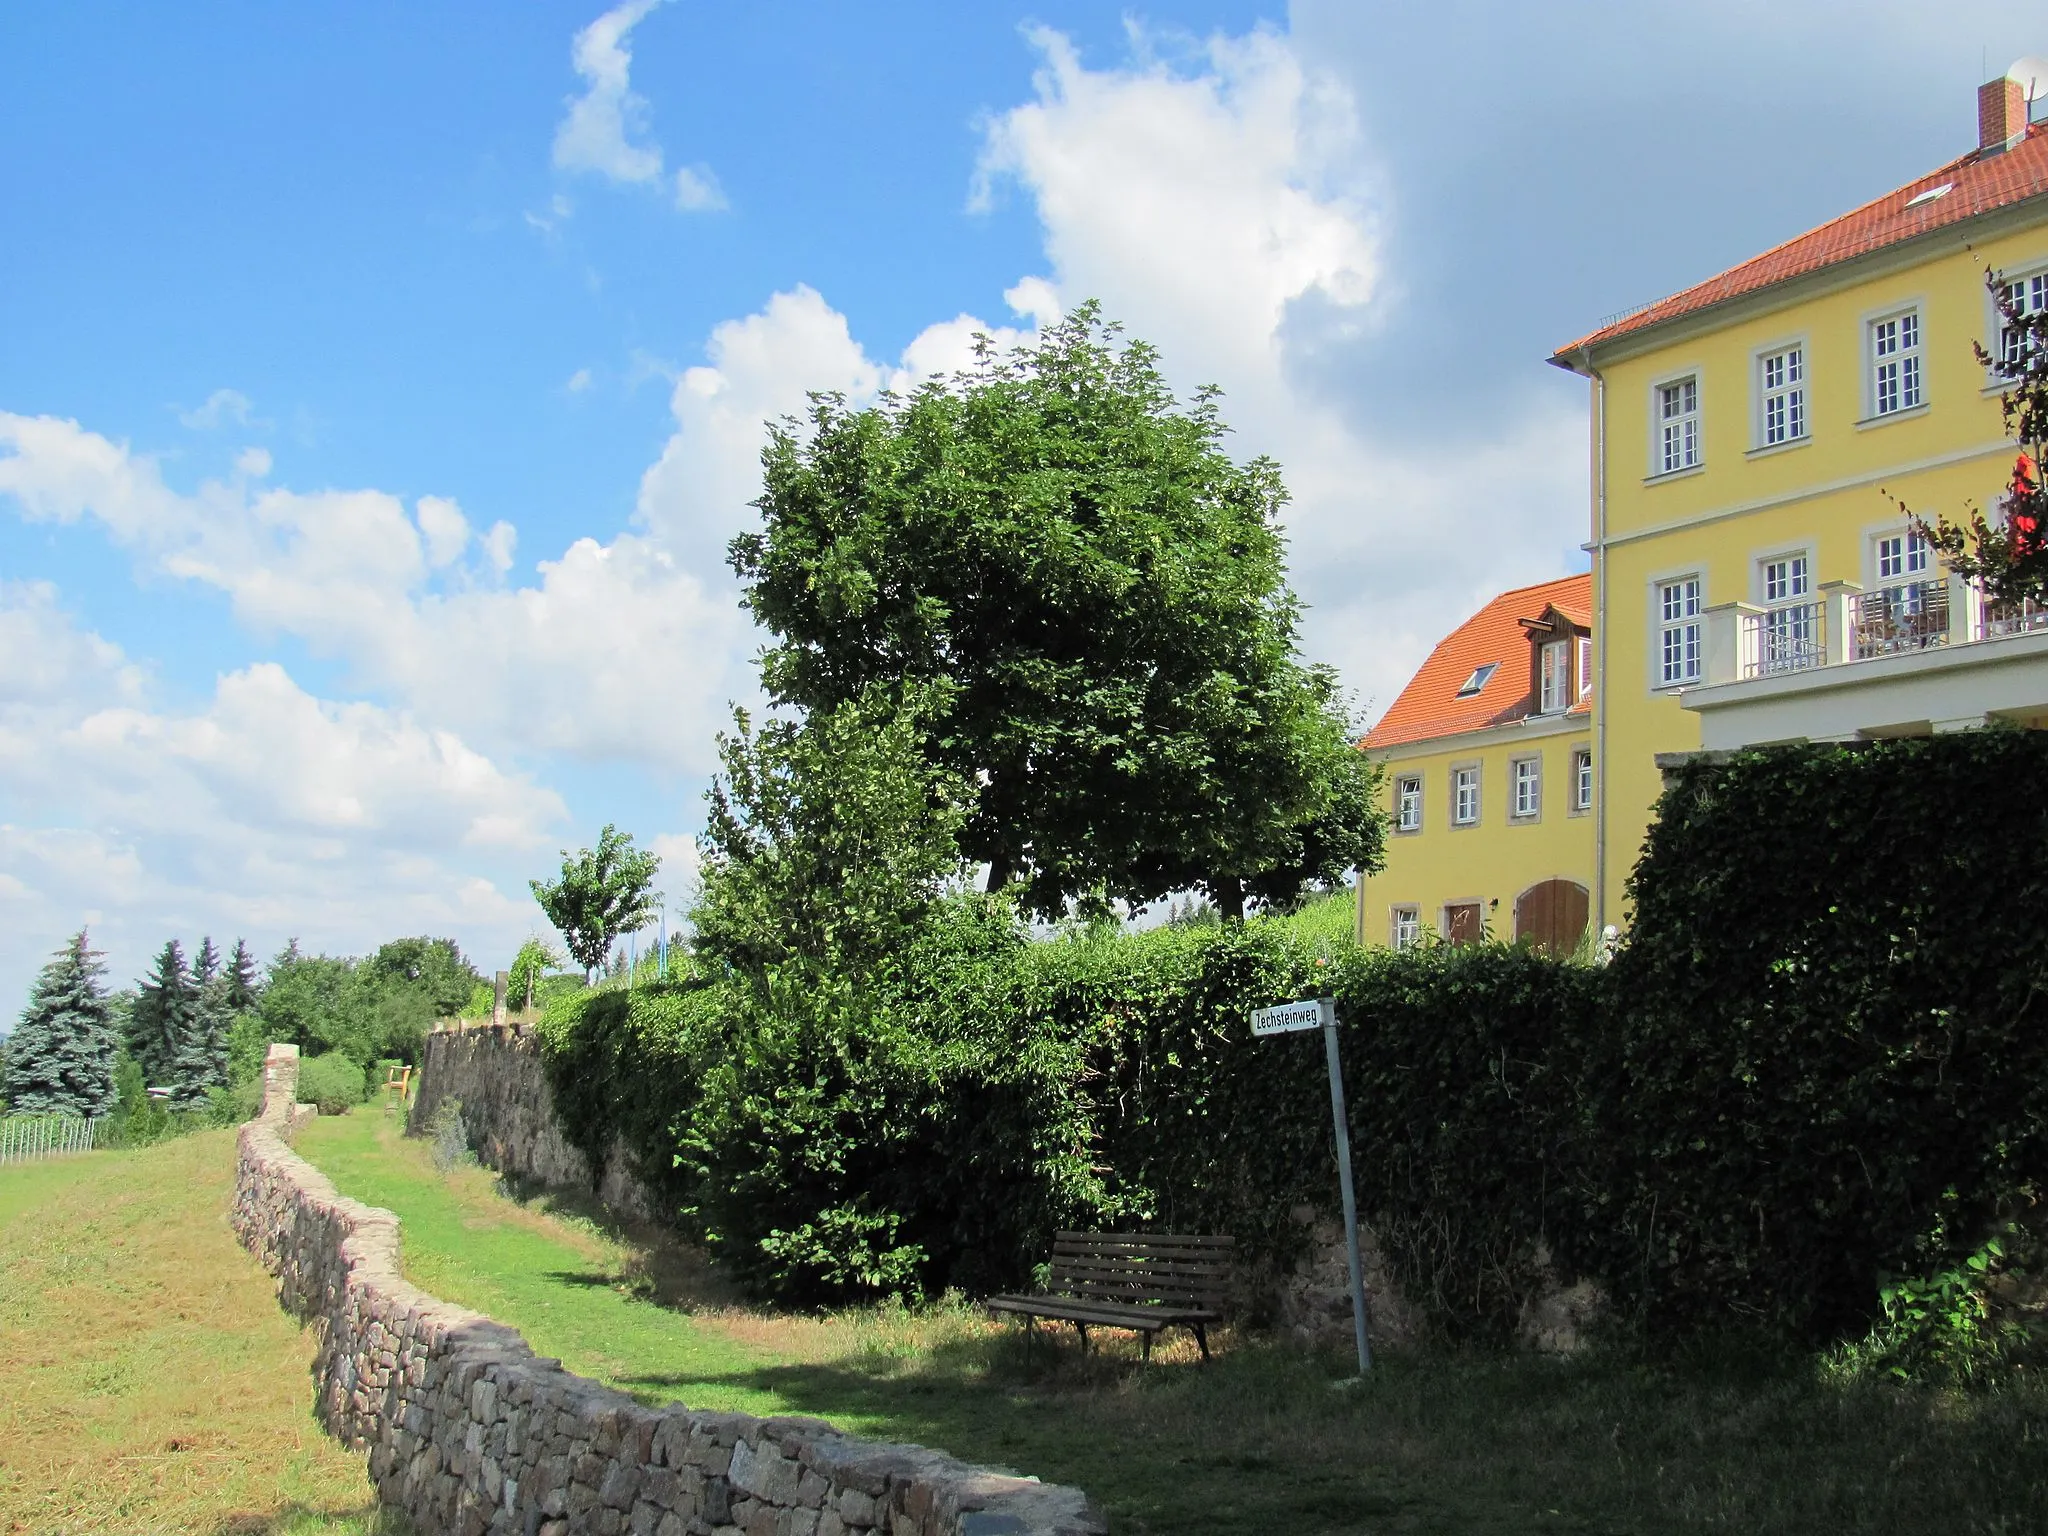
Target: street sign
x=1289 y=1017
x=1321 y=1013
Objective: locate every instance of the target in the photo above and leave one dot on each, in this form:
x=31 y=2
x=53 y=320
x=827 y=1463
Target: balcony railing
x=1910 y=616
x=1844 y=623
x=2013 y=618
x=1788 y=638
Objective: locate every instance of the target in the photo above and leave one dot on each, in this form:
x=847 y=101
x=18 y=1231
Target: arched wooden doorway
x=1552 y=915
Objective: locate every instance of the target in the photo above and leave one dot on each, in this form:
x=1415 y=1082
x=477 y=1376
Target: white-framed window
x=1787 y=578
x=1782 y=388
x=1464 y=797
x=1407 y=927
x=1901 y=557
x=1585 y=649
x=1526 y=776
x=1895 y=378
x=1555 y=669
x=2028 y=296
x=1582 y=779
x=1678 y=630
x=1678 y=425
x=1408 y=803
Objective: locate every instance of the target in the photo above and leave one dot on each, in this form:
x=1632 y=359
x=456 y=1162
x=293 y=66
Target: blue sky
x=379 y=385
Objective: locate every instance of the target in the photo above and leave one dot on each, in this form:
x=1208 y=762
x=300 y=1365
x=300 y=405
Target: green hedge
x=1821 y=1057
x=1829 y=1051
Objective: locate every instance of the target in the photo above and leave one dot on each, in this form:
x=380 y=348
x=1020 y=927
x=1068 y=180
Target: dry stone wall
x=469 y=1432
x=495 y=1071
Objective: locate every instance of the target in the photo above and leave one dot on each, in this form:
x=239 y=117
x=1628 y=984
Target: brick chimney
x=2001 y=115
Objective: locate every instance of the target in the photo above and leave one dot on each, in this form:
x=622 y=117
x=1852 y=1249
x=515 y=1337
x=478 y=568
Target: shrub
x=333 y=1081
x=449 y=1137
x=1826 y=1042
x=1815 y=1064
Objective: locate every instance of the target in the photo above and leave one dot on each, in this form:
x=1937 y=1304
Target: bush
x=332 y=1081
x=1826 y=1058
x=1815 y=1064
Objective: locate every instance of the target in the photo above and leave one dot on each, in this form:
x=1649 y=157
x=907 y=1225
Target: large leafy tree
x=1068 y=552
x=434 y=970
x=604 y=894
x=60 y=1058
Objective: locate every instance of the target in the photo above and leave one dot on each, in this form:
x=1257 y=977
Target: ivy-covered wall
x=1820 y=1056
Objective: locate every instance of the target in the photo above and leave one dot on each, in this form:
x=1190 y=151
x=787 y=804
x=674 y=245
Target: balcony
x=1849 y=663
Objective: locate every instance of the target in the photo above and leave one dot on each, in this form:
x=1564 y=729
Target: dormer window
x=1557 y=693
x=1481 y=676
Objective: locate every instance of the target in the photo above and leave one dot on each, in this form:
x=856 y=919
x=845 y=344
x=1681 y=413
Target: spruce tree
x=163 y=1017
x=60 y=1058
x=206 y=1053
x=240 y=979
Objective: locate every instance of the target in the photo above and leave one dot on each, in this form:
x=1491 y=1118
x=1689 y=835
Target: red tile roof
x=1429 y=706
x=1978 y=184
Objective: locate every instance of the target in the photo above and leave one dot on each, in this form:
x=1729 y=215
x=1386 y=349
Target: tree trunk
x=1000 y=869
x=1230 y=898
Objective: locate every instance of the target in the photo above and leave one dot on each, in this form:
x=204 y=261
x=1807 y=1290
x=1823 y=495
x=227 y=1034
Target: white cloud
x=444 y=528
x=605 y=131
x=698 y=191
x=578 y=381
x=222 y=407
x=617 y=651
x=264 y=811
x=1228 y=213
x=697 y=494
x=595 y=135
x=253 y=462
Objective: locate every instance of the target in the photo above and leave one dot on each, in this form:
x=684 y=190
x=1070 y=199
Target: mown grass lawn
x=148 y=1381
x=1263 y=1440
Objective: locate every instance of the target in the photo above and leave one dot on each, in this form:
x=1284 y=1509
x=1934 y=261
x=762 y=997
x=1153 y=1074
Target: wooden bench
x=1144 y=1282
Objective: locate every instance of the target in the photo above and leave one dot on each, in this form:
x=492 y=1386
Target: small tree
x=60 y=1058
x=2009 y=559
x=604 y=893
x=828 y=838
x=535 y=959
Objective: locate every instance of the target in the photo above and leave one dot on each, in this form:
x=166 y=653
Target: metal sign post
x=1322 y=1012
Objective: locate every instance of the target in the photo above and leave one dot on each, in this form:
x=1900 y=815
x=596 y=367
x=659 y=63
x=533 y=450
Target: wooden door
x=1552 y=915
x=1462 y=923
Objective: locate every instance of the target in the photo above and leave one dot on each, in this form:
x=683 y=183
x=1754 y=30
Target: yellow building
x=1754 y=579
x=1488 y=752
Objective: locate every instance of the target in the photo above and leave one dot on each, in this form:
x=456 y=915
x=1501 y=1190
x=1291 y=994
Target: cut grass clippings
x=1266 y=1438
x=148 y=1381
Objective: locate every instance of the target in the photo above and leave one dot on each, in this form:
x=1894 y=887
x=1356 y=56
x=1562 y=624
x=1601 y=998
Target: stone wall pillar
x=280 y=1082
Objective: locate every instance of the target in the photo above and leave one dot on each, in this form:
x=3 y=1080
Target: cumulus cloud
x=605 y=131
x=264 y=810
x=413 y=604
x=1226 y=209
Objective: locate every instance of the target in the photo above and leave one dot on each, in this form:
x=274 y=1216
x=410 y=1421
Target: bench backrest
x=1166 y=1268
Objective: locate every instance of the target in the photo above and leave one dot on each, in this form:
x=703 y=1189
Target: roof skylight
x=1481 y=676
x=1931 y=194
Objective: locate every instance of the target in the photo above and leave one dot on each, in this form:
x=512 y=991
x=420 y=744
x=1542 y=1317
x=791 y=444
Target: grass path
x=148 y=1381
x=1263 y=1440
